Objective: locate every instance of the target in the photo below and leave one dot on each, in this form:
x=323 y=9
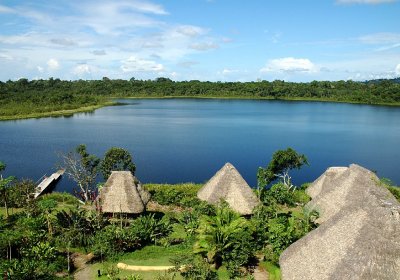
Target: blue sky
x=214 y=40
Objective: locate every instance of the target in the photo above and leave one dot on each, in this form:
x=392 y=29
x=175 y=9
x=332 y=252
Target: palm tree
x=222 y=235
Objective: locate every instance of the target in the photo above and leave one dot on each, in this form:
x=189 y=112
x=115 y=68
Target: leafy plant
x=281 y=163
x=117 y=159
x=225 y=238
x=192 y=267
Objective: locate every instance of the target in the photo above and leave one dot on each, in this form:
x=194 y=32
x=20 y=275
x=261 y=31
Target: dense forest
x=24 y=98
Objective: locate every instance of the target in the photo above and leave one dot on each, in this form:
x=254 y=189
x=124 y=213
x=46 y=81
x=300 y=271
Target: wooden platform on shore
x=47 y=182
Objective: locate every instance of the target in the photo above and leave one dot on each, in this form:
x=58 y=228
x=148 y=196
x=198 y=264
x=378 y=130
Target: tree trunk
x=5 y=205
x=68 y=260
x=9 y=246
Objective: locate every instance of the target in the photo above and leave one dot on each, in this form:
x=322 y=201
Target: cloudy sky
x=215 y=40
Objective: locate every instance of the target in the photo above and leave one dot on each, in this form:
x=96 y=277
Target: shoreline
x=113 y=102
x=61 y=113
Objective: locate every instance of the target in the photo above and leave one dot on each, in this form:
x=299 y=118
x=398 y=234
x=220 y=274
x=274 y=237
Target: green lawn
x=150 y=256
x=273 y=271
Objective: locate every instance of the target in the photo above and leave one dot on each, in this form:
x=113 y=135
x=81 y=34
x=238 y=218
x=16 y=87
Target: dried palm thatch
x=227 y=184
x=123 y=193
x=359 y=234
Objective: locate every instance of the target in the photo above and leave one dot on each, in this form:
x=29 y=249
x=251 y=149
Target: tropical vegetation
x=40 y=238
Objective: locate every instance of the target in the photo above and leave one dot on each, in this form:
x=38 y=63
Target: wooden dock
x=46 y=182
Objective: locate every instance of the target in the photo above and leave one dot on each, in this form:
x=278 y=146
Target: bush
x=64 y=197
x=112 y=240
x=193 y=267
x=148 y=229
x=226 y=238
x=300 y=197
x=278 y=193
x=180 y=194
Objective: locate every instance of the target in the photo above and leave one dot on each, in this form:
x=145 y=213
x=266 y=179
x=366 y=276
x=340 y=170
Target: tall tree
x=82 y=167
x=117 y=159
x=5 y=183
x=280 y=165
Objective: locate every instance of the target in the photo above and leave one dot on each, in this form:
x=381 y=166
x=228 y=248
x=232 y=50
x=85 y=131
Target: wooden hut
x=123 y=193
x=228 y=185
x=359 y=232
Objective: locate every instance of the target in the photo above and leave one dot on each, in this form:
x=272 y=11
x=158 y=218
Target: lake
x=188 y=140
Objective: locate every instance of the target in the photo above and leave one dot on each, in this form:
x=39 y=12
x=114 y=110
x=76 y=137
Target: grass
x=150 y=256
x=59 y=113
x=155 y=255
x=11 y=211
x=274 y=271
x=184 y=194
x=65 y=201
x=150 y=275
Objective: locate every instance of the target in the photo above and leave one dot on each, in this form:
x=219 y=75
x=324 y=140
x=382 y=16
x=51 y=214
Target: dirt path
x=84 y=271
x=260 y=273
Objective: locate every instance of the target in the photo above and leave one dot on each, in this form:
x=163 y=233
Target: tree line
x=21 y=96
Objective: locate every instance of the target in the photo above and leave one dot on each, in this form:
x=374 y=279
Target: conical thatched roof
x=359 y=234
x=123 y=193
x=227 y=184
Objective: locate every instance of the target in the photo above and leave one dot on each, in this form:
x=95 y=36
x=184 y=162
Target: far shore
x=112 y=102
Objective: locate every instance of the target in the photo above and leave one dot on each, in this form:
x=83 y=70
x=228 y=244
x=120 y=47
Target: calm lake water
x=187 y=140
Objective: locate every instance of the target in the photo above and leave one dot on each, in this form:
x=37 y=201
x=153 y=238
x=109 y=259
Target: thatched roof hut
x=227 y=184
x=359 y=234
x=123 y=193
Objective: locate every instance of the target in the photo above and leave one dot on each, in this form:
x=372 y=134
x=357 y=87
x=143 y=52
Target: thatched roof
x=227 y=184
x=359 y=234
x=123 y=193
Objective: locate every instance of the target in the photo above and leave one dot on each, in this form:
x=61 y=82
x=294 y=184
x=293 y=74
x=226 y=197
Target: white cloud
x=227 y=71
x=364 y=1
x=187 y=64
x=204 y=46
x=82 y=69
x=289 y=65
x=226 y=40
x=99 y=52
x=380 y=38
x=190 y=30
x=99 y=32
x=63 y=42
x=53 y=64
x=145 y=6
x=40 y=69
x=134 y=64
x=6 y=10
x=114 y=17
x=6 y=56
x=398 y=69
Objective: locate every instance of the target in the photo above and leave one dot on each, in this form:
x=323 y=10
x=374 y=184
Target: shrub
x=225 y=239
x=148 y=229
x=64 y=197
x=300 y=197
x=193 y=267
x=278 y=193
x=180 y=194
